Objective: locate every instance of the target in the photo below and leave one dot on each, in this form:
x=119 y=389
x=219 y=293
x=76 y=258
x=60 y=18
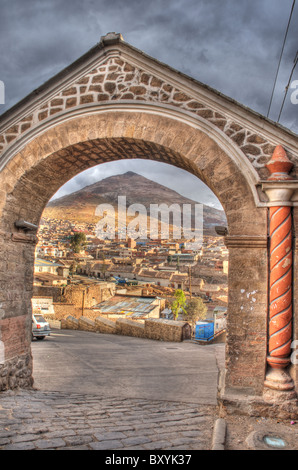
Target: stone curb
x=219 y=435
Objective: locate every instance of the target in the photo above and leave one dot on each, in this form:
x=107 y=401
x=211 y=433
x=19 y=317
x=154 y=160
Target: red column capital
x=279 y=165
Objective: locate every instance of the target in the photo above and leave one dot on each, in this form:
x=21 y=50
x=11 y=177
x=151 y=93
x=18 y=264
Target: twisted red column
x=280 y=309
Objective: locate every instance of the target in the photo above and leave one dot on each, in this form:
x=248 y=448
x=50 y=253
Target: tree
x=77 y=241
x=195 y=310
x=178 y=303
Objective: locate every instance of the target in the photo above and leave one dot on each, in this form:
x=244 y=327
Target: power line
x=287 y=87
x=282 y=51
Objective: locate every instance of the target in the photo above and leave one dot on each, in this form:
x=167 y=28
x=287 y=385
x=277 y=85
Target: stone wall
x=16 y=280
x=130 y=328
x=16 y=373
x=103 y=325
x=63 y=310
x=15 y=336
x=167 y=330
x=247 y=317
x=75 y=300
x=70 y=323
x=91 y=295
x=86 y=324
x=152 y=328
x=49 y=291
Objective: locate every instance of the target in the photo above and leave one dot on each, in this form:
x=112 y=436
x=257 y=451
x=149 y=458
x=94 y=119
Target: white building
x=43 y=305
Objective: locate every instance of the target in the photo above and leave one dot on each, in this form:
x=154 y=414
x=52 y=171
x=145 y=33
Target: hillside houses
x=160 y=263
x=146 y=275
x=46 y=266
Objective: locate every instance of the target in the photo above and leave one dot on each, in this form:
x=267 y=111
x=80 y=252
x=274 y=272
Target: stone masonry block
x=167 y=330
x=71 y=323
x=86 y=324
x=130 y=328
x=104 y=325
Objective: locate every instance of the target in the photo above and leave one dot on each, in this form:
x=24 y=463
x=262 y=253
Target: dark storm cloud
x=232 y=45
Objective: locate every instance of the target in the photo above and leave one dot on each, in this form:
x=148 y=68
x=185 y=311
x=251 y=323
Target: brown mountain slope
x=80 y=206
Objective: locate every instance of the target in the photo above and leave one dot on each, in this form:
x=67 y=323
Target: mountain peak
x=81 y=205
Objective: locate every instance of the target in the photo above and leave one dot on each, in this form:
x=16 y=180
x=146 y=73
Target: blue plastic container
x=204 y=331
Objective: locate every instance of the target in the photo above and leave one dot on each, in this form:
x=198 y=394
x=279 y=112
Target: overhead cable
x=287 y=87
x=282 y=51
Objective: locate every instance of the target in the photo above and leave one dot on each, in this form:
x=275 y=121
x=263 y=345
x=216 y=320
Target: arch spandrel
x=115 y=72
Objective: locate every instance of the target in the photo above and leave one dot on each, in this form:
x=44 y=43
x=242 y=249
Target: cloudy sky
x=231 y=45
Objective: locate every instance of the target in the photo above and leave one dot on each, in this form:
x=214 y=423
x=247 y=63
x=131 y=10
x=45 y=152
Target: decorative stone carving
x=245 y=241
x=280 y=188
x=279 y=165
x=119 y=77
x=24 y=238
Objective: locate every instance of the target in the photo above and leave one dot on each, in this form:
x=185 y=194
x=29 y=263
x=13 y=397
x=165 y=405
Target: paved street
x=111 y=392
x=126 y=367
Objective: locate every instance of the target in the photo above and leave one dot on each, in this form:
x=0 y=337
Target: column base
x=279 y=386
x=257 y=407
x=245 y=402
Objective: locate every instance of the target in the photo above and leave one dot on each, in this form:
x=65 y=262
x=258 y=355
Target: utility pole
x=189 y=275
x=83 y=303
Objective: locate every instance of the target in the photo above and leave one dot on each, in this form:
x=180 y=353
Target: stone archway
x=89 y=140
x=117 y=103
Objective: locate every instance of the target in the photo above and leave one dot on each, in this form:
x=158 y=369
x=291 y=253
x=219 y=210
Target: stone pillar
x=247 y=317
x=16 y=280
x=278 y=382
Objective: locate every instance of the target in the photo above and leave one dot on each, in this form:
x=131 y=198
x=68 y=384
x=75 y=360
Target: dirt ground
x=246 y=433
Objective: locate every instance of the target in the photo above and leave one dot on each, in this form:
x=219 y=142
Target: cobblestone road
x=54 y=420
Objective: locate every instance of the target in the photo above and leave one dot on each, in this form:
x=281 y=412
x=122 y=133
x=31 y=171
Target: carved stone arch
x=185 y=141
x=115 y=102
x=53 y=155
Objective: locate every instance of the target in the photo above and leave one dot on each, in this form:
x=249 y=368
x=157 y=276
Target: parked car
x=40 y=327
